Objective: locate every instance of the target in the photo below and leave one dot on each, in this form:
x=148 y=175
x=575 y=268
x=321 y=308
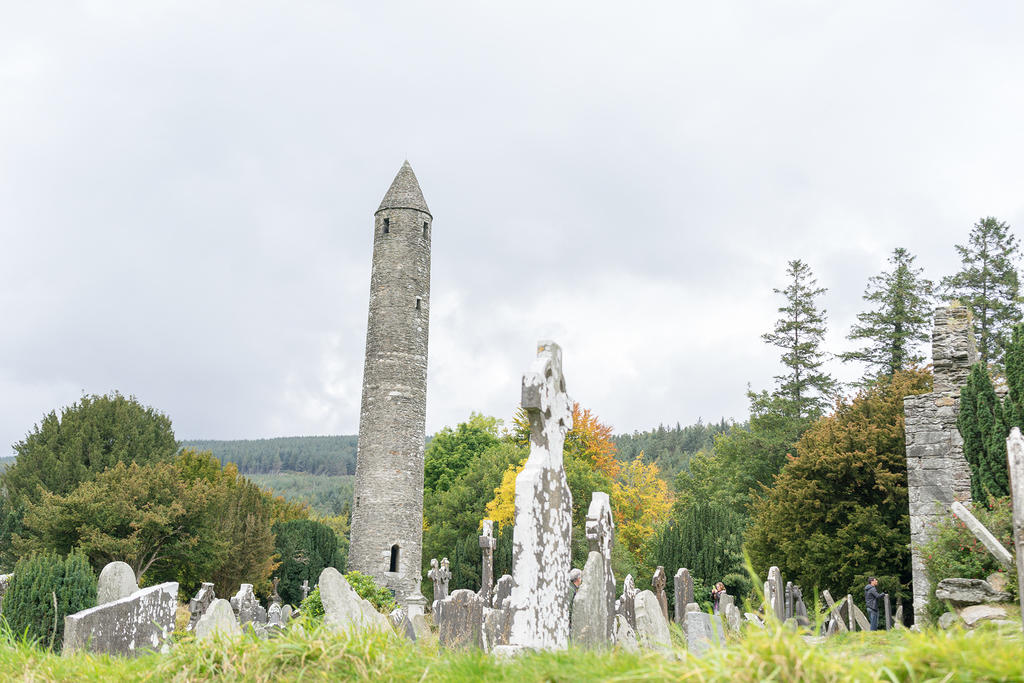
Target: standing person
x=717 y=593
x=871 y=598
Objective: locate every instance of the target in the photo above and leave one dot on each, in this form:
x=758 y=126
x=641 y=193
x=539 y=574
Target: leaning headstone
x=658 y=582
x=683 y=584
x=247 y=608
x=487 y=545
x=116 y=581
x=776 y=593
x=129 y=626
x=991 y=543
x=218 y=617
x=628 y=599
x=834 y=608
x=858 y=616
x=198 y=605
x=1015 y=460
x=502 y=591
x=343 y=608
x=542 y=538
x=400 y=622
x=460 y=620
x=625 y=636
x=753 y=619
x=286 y=614
x=651 y=623
x=593 y=611
x=702 y=631
x=725 y=600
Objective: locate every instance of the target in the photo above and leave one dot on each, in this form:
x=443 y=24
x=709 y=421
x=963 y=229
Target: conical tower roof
x=404 y=192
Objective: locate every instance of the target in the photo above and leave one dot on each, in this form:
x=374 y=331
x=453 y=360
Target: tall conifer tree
x=799 y=332
x=898 y=320
x=988 y=284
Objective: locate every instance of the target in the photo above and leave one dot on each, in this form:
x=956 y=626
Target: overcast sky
x=187 y=191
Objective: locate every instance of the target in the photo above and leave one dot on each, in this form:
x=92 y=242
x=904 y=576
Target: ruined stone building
x=937 y=471
x=387 y=510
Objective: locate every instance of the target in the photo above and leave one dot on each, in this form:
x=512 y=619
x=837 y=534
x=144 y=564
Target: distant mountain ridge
x=334 y=455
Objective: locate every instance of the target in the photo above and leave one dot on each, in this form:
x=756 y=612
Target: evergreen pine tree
x=984 y=429
x=799 y=332
x=28 y=604
x=898 y=320
x=1013 y=404
x=988 y=284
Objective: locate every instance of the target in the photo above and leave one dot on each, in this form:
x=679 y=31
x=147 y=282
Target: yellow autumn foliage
x=641 y=502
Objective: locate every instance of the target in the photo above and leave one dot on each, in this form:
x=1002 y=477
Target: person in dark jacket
x=871 y=599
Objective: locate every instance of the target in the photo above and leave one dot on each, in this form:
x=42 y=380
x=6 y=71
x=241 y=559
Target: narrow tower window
x=425 y=227
x=394 y=558
x=418 y=300
x=387 y=225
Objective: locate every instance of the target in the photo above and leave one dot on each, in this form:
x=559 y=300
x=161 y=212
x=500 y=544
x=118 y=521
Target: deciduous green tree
x=988 y=284
x=897 y=321
x=799 y=332
x=451 y=451
x=840 y=507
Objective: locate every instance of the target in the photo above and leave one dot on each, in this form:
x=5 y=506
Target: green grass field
x=987 y=654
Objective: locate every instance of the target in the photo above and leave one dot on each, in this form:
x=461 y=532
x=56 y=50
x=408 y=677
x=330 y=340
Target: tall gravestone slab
x=1015 y=458
x=541 y=545
x=937 y=472
x=658 y=582
x=116 y=581
x=487 y=545
x=198 y=605
x=628 y=600
x=593 y=613
x=776 y=593
x=683 y=584
x=130 y=626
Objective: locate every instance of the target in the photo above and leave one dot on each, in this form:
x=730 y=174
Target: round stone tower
x=387 y=510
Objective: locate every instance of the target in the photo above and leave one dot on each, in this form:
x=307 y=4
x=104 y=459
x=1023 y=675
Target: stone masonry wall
x=388 y=497
x=937 y=472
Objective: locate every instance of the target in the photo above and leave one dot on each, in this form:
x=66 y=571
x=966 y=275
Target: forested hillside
x=670 y=448
x=335 y=455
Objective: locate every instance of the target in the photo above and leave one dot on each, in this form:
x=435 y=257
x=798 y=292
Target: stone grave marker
x=116 y=581
x=1015 y=460
x=247 y=608
x=487 y=545
x=684 y=592
x=593 y=612
x=658 y=582
x=628 y=600
x=218 y=617
x=198 y=605
x=343 y=608
x=625 y=635
x=732 y=617
x=776 y=593
x=702 y=631
x=835 y=609
x=991 y=543
x=129 y=626
x=651 y=623
x=460 y=620
x=502 y=590
x=542 y=538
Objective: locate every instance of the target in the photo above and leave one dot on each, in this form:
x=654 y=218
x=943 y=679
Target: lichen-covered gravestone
x=247 y=608
x=683 y=584
x=776 y=593
x=628 y=600
x=651 y=623
x=487 y=545
x=129 y=626
x=593 y=611
x=343 y=608
x=658 y=582
x=502 y=591
x=218 y=617
x=541 y=541
x=198 y=605
x=460 y=620
x=116 y=581
x=702 y=630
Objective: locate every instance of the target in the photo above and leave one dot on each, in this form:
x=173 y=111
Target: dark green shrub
x=304 y=548
x=28 y=604
x=954 y=552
